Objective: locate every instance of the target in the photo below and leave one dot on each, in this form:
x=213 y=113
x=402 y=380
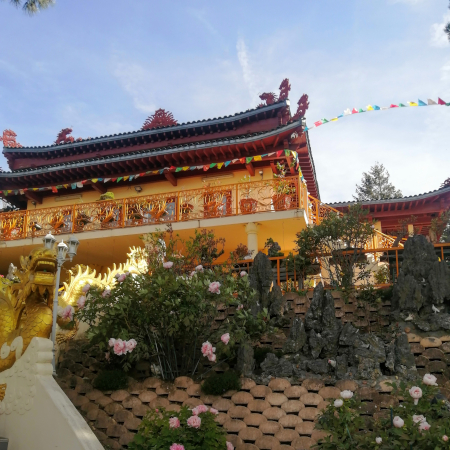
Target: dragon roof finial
x=161 y=118
x=303 y=105
x=9 y=139
x=65 y=138
x=270 y=98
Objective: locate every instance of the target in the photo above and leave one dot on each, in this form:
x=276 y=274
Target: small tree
x=340 y=242
x=441 y=226
x=33 y=6
x=375 y=185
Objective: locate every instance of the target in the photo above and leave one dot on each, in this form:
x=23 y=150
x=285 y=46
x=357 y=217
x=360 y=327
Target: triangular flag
x=114 y=180
x=161 y=171
x=271 y=154
x=219 y=165
x=264 y=155
x=354 y=111
x=305 y=129
x=142 y=174
x=318 y=123
x=242 y=160
x=21 y=191
x=100 y=179
x=248 y=160
x=199 y=167
x=287 y=152
x=106 y=180
x=227 y=163
x=401 y=105
x=421 y=103
x=131 y=177
x=347 y=112
x=118 y=179
x=94 y=180
x=412 y=104
x=376 y=108
x=185 y=168
x=257 y=158
x=431 y=102
x=126 y=178
x=369 y=108
x=393 y=106
x=193 y=167
x=324 y=121
x=340 y=115
x=234 y=160
x=74 y=185
x=171 y=168
x=178 y=169
x=205 y=168
x=65 y=186
x=334 y=119
x=137 y=176
x=384 y=107
x=80 y=184
x=54 y=189
x=84 y=181
x=212 y=165
x=279 y=153
x=360 y=110
x=441 y=102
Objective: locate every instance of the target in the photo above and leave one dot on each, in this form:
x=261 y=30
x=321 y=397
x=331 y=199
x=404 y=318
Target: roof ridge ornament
x=303 y=105
x=64 y=137
x=9 y=139
x=270 y=98
x=161 y=118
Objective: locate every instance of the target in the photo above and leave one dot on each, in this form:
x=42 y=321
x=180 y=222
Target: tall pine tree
x=375 y=185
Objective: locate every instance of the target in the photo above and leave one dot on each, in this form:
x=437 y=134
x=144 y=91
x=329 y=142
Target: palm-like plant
x=33 y=6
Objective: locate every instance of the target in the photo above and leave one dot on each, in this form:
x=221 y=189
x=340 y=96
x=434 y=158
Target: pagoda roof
x=159 y=132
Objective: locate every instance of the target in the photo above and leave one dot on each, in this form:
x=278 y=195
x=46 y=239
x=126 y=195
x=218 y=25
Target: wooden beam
x=170 y=177
x=274 y=167
x=99 y=187
x=251 y=169
x=30 y=195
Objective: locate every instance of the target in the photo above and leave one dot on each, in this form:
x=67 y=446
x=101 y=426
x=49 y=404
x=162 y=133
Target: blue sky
x=102 y=67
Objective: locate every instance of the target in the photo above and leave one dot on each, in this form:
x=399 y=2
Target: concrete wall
x=35 y=413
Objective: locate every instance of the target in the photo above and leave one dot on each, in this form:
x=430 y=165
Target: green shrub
x=111 y=380
x=160 y=430
x=220 y=383
x=260 y=354
x=107 y=196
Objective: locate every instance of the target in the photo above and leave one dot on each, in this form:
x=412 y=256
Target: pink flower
x=207 y=348
x=398 y=422
x=212 y=357
x=174 y=422
x=213 y=411
x=199 y=268
x=445 y=438
x=429 y=379
x=243 y=273
x=117 y=275
x=67 y=312
x=107 y=355
x=230 y=446
x=111 y=342
x=121 y=278
x=225 y=338
x=127 y=273
x=419 y=419
x=194 y=422
x=240 y=307
x=131 y=345
x=106 y=293
x=176 y=447
x=199 y=409
x=120 y=347
x=192 y=273
x=81 y=301
x=86 y=288
x=424 y=426
x=416 y=393
x=214 y=287
x=168 y=265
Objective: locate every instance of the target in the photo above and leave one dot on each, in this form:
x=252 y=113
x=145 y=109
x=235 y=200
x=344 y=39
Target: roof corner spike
x=161 y=118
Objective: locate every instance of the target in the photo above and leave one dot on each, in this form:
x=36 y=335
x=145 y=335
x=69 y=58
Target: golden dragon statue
x=26 y=304
x=26 y=298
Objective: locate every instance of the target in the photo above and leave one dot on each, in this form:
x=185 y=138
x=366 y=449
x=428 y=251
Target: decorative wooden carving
x=303 y=105
x=270 y=98
x=161 y=118
x=9 y=139
x=445 y=184
x=65 y=138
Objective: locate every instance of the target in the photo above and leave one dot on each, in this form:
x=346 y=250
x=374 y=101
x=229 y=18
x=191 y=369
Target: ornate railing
x=207 y=202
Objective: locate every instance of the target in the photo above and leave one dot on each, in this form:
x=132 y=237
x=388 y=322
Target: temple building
x=249 y=177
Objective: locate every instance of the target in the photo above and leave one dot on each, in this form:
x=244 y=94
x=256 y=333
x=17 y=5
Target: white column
x=410 y=229
x=252 y=237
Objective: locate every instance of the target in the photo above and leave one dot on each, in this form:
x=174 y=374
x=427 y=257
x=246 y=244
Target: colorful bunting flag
x=257 y=158
x=376 y=108
x=412 y=104
x=393 y=106
x=441 y=102
x=360 y=110
x=347 y=112
x=354 y=111
x=401 y=105
x=421 y=103
x=178 y=169
x=248 y=160
x=227 y=163
x=369 y=108
x=219 y=166
x=431 y=102
x=318 y=123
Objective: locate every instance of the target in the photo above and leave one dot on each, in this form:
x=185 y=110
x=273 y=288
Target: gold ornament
x=2 y=391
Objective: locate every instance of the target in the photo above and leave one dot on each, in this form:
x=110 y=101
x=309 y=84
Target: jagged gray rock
x=403 y=355
x=245 y=360
x=297 y=337
x=319 y=366
x=276 y=367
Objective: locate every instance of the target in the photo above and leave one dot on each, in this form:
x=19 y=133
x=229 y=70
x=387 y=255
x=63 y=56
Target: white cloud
x=438 y=36
x=247 y=72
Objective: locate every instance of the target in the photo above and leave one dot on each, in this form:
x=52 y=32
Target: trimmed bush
x=111 y=380
x=220 y=383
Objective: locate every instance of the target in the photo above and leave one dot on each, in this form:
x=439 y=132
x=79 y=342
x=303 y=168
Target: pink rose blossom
x=131 y=345
x=214 y=287
x=207 y=348
x=81 y=301
x=398 y=422
x=213 y=411
x=429 y=379
x=117 y=275
x=416 y=393
x=243 y=273
x=86 y=287
x=106 y=293
x=107 y=356
x=445 y=438
x=168 y=265
x=419 y=418
x=199 y=409
x=176 y=447
x=199 y=268
x=127 y=273
x=67 y=312
x=212 y=357
x=111 y=342
x=121 y=278
x=424 y=426
x=194 y=422
x=225 y=338
x=120 y=347
x=230 y=446
x=174 y=422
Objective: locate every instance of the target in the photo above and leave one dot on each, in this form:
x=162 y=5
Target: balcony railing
x=207 y=202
